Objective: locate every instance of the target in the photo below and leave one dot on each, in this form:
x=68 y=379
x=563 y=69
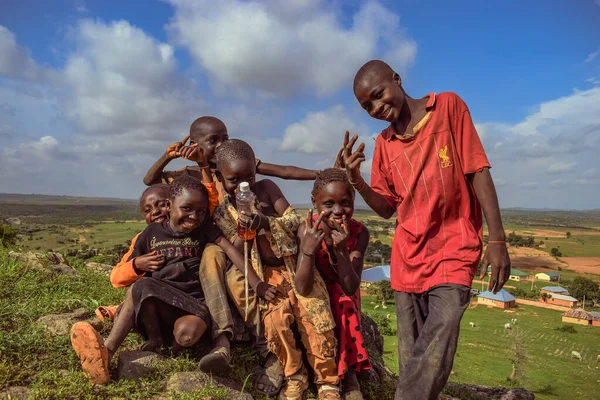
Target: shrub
x=566 y=329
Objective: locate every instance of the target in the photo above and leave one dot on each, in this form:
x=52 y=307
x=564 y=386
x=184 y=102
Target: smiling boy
x=430 y=168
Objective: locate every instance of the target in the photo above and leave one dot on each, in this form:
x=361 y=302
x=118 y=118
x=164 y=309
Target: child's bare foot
x=153 y=345
x=90 y=348
x=271 y=377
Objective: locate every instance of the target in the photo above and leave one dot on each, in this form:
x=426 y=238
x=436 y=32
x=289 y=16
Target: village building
x=554 y=290
x=579 y=317
x=502 y=299
x=595 y=318
x=560 y=300
x=518 y=275
x=549 y=276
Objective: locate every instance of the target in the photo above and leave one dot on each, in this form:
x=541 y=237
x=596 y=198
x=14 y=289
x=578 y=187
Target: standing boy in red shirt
x=430 y=168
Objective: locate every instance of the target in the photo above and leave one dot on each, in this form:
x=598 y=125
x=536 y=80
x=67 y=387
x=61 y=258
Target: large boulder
x=49 y=261
x=372 y=338
x=137 y=364
x=187 y=382
x=60 y=324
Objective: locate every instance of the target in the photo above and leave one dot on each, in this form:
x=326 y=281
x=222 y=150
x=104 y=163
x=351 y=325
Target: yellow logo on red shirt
x=444 y=160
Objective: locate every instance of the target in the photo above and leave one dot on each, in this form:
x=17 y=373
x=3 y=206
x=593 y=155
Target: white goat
x=577 y=355
x=513 y=321
x=472 y=324
x=507 y=325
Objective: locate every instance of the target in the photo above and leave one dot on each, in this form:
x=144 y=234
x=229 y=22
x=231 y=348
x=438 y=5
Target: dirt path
x=542 y=305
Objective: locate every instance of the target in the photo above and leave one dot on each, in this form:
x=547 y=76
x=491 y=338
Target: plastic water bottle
x=245 y=200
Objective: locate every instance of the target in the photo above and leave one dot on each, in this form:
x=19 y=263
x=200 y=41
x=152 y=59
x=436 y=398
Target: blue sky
x=91 y=92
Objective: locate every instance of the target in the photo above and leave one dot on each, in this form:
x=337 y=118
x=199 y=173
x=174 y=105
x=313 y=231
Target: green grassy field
x=484 y=353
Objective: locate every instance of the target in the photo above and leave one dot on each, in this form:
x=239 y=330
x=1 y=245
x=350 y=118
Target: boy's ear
x=219 y=176
x=168 y=203
x=397 y=79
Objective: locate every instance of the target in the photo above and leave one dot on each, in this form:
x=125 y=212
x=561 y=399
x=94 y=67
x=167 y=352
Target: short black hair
x=328 y=176
x=201 y=122
x=373 y=67
x=233 y=150
x=160 y=186
x=186 y=182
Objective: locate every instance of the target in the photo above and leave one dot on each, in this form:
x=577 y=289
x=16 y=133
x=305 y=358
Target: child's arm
x=262 y=289
x=376 y=201
x=496 y=254
x=154 y=174
x=276 y=198
x=123 y=274
x=311 y=236
x=349 y=264
x=286 y=172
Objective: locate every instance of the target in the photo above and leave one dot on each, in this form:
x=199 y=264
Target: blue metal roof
x=502 y=295
x=554 y=289
x=376 y=274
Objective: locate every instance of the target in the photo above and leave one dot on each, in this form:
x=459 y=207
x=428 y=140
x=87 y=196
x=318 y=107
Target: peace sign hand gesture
x=340 y=233
x=313 y=234
x=174 y=150
x=352 y=160
x=192 y=153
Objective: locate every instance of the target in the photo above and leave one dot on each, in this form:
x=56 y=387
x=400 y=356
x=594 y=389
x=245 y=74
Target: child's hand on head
x=192 y=153
x=313 y=234
x=340 y=233
x=174 y=150
x=149 y=262
x=352 y=160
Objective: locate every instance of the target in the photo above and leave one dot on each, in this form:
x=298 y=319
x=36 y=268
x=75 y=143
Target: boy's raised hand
x=173 y=151
x=149 y=262
x=340 y=233
x=267 y=292
x=352 y=160
x=313 y=234
x=192 y=153
x=339 y=160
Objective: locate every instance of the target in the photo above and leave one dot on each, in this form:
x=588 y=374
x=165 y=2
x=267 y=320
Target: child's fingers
x=336 y=226
x=348 y=148
x=346 y=138
x=360 y=148
x=309 y=219
x=193 y=146
x=184 y=141
x=345 y=224
x=318 y=221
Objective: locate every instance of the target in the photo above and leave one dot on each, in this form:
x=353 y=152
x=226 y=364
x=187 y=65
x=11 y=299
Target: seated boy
x=273 y=258
x=168 y=302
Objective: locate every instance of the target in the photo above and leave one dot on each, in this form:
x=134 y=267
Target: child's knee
x=188 y=330
x=213 y=259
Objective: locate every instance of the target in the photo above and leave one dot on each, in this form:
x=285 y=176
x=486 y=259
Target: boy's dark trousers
x=428 y=325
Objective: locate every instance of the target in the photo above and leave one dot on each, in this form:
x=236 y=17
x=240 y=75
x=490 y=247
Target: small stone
x=187 y=382
x=99 y=267
x=60 y=324
x=137 y=364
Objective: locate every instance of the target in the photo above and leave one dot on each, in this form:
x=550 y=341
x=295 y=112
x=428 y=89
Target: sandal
x=106 y=312
x=353 y=395
x=329 y=392
x=270 y=376
x=294 y=387
x=92 y=353
x=216 y=362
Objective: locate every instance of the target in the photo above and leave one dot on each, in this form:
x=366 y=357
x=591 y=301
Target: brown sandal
x=294 y=387
x=92 y=353
x=106 y=312
x=329 y=392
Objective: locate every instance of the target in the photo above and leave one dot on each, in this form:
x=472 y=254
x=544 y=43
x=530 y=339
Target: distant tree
x=8 y=236
x=583 y=286
x=555 y=252
x=568 y=235
x=382 y=290
x=541 y=242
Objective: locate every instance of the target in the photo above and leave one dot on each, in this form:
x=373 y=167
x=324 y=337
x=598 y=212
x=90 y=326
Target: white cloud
x=125 y=90
x=16 y=61
x=558 y=183
x=560 y=167
x=529 y=185
x=287 y=47
x=320 y=132
x=588 y=173
x=592 y=56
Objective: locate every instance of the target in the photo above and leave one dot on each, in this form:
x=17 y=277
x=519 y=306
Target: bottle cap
x=244 y=187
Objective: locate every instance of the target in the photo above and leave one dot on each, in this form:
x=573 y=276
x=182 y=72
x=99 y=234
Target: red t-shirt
x=439 y=220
